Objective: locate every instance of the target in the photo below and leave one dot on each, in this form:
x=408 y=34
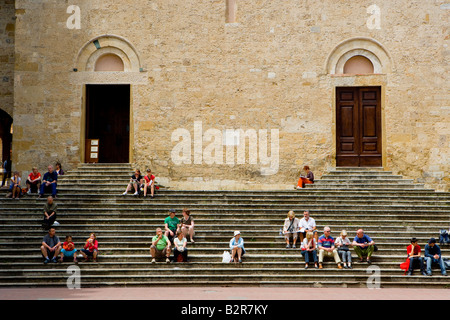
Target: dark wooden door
x=108 y=119
x=358 y=127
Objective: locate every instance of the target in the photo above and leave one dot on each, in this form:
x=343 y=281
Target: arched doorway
x=105 y=62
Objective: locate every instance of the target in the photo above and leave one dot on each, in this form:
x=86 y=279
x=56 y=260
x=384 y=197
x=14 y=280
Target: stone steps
x=389 y=208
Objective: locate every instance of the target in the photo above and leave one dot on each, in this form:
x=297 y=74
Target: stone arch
x=365 y=47
x=107 y=44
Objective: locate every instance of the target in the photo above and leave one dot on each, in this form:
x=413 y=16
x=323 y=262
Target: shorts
x=68 y=253
x=160 y=253
x=88 y=253
x=50 y=254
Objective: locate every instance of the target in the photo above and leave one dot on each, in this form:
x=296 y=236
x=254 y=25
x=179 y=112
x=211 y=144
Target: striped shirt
x=326 y=242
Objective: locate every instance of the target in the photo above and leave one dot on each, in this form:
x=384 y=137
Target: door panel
x=358 y=126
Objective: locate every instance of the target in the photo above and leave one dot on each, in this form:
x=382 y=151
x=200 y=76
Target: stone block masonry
x=272 y=68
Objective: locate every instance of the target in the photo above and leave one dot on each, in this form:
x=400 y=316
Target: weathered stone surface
x=267 y=70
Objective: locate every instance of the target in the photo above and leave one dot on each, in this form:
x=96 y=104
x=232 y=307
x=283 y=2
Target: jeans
x=309 y=254
x=44 y=188
x=443 y=238
x=415 y=261
x=439 y=261
x=346 y=256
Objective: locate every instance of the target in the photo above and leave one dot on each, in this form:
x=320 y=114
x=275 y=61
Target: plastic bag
x=226 y=257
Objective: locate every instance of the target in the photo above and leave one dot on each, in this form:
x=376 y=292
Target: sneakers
x=167 y=260
x=288 y=246
x=47 y=260
x=136 y=193
x=153 y=261
x=125 y=193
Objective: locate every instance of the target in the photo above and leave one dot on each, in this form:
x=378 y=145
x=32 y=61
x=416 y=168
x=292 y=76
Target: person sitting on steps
x=135 y=181
x=308 y=179
x=290 y=229
x=49 y=182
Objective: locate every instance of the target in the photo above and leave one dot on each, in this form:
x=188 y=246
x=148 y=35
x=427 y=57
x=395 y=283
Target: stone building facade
x=230 y=94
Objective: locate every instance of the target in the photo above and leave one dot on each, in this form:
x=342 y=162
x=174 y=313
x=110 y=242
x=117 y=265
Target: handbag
x=291 y=229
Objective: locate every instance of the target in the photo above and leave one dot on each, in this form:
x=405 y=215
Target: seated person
x=433 y=256
x=309 y=249
x=237 y=247
x=49 y=183
x=363 y=246
x=172 y=225
x=187 y=224
x=51 y=246
x=290 y=229
x=58 y=169
x=308 y=179
x=15 y=188
x=90 y=249
x=161 y=246
x=49 y=213
x=34 y=181
x=443 y=237
x=180 y=250
x=307 y=224
x=413 y=251
x=149 y=181
x=135 y=181
x=343 y=245
x=327 y=248
x=68 y=250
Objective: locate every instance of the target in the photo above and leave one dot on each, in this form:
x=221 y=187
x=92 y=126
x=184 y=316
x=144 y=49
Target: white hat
x=236 y=233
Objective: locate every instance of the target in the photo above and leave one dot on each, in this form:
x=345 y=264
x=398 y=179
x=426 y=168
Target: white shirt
x=180 y=243
x=310 y=224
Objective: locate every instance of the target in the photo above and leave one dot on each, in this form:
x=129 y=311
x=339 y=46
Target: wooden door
x=358 y=127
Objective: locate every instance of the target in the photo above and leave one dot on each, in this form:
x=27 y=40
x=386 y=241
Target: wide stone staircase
x=389 y=208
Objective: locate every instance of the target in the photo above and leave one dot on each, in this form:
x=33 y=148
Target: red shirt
x=91 y=247
x=33 y=177
x=416 y=250
x=147 y=179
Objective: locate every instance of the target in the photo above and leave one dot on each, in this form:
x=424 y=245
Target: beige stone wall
x=7 y=27
x=269 y=70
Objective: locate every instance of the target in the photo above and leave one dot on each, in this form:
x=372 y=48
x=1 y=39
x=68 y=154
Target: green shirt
x=50 y=208
x=162 y=243
x=172 y=223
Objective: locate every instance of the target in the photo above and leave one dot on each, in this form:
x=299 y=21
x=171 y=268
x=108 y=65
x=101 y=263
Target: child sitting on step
x=69 y=250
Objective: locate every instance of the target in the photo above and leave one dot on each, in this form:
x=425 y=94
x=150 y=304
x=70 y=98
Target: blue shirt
x=365 y=239
x=50 y=177
x=239 y=243
x=431 y=251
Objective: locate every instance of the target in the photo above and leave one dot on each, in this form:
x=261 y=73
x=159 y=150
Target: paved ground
x=221 y=293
